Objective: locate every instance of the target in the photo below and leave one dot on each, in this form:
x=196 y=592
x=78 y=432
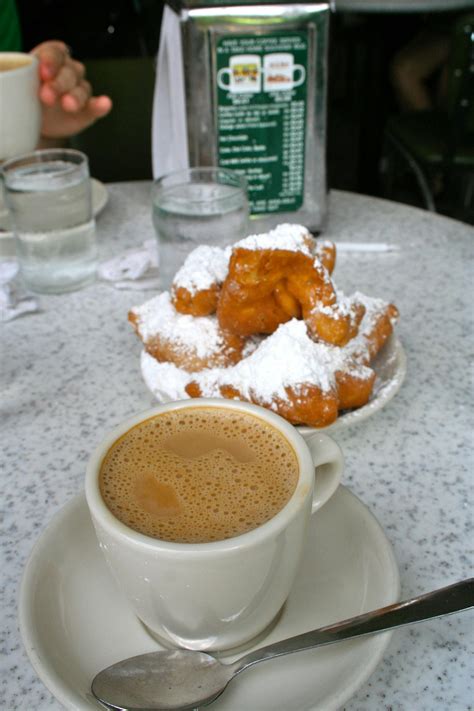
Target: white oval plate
x=74 y=621
x=390 y=367
x=7 y=243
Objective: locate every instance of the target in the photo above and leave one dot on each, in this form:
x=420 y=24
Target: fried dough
x=196 y=286
x=191 y=343
x=264 y=322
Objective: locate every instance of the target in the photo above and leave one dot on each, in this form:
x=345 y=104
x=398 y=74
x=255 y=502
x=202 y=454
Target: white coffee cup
x=20 y=110
x=243 y=74
x=222 y=594
x=279 y=72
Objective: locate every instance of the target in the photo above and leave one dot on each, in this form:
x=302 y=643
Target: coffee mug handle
x=225 y=71
x=328 y=464
x=299 y=68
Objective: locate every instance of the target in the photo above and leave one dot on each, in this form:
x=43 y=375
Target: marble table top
x=71 y=372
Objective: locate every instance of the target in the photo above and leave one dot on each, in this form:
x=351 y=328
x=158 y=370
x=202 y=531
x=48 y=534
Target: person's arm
x=414 y=64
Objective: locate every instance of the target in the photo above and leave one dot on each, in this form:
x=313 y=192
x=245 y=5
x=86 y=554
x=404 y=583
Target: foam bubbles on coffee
x=198 y=475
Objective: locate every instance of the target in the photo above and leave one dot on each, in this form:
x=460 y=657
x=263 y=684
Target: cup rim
x=33 y=61
x=105 y=518
x=41 y=155
x=184 y=176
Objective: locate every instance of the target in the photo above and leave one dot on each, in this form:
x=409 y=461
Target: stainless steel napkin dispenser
x=244 y=87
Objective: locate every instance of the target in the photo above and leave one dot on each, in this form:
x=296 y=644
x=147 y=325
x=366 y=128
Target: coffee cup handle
x=328 y=464
x=225 y=71
x=299 y=68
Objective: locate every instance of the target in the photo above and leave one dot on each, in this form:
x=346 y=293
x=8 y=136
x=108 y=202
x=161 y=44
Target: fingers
x=77 y=121
x=77 y=98
x=63 y=79
x=80 y=101
x=69 y=79
x=51 y=55
x=68 y=104
x=100 y=106
x=96 y=107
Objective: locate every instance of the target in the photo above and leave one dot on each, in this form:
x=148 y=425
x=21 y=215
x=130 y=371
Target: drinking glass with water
x=48 y=194
x=194 y=207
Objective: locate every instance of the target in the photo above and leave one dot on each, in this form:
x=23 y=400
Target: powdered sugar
x=292 y=231
x=203 y=267
x=321 y=245
x=287 y=358
x=357 y=348
x=165 y=380
x=343 y=306
x=206 y=266
x=294 y=238
x=389 y=365
x=158 y=317
x=373 y=306
x=323 y=273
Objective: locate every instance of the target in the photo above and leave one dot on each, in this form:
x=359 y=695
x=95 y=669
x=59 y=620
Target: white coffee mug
x=218 y=595
x=279 y=72
x=20 y=109
x=243 y=74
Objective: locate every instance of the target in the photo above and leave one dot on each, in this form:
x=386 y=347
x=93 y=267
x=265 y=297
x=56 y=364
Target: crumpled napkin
x=134 y=269
x=14 y=299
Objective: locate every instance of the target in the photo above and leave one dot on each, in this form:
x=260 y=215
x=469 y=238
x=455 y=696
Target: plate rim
x=102 y=195
x=62 y=691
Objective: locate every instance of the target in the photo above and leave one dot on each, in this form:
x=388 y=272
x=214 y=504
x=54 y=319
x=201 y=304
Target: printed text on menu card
x=261 y=115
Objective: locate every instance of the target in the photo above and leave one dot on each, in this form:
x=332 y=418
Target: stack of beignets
x=264 y=322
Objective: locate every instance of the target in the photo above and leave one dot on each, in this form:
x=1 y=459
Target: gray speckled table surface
x=71 y=372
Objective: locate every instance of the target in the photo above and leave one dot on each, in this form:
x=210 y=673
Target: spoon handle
x=444 y=601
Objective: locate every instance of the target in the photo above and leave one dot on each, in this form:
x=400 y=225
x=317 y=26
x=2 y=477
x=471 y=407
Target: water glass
x=197 y=206
x=48 y=194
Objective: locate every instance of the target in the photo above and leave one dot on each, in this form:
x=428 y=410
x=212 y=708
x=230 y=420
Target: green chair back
x=119 y=145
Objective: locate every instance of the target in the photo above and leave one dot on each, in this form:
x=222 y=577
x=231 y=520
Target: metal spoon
x=181 y=679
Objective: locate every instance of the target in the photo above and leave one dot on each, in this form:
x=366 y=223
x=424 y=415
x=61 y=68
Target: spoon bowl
x=180 y=679
x=182 y=676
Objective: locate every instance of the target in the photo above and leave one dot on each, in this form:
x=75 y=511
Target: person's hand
x=68 y=106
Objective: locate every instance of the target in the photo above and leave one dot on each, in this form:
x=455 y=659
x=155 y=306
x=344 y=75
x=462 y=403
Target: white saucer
x=390 y=367
x=7 y=244
x=100 y=196
x=74 y=621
